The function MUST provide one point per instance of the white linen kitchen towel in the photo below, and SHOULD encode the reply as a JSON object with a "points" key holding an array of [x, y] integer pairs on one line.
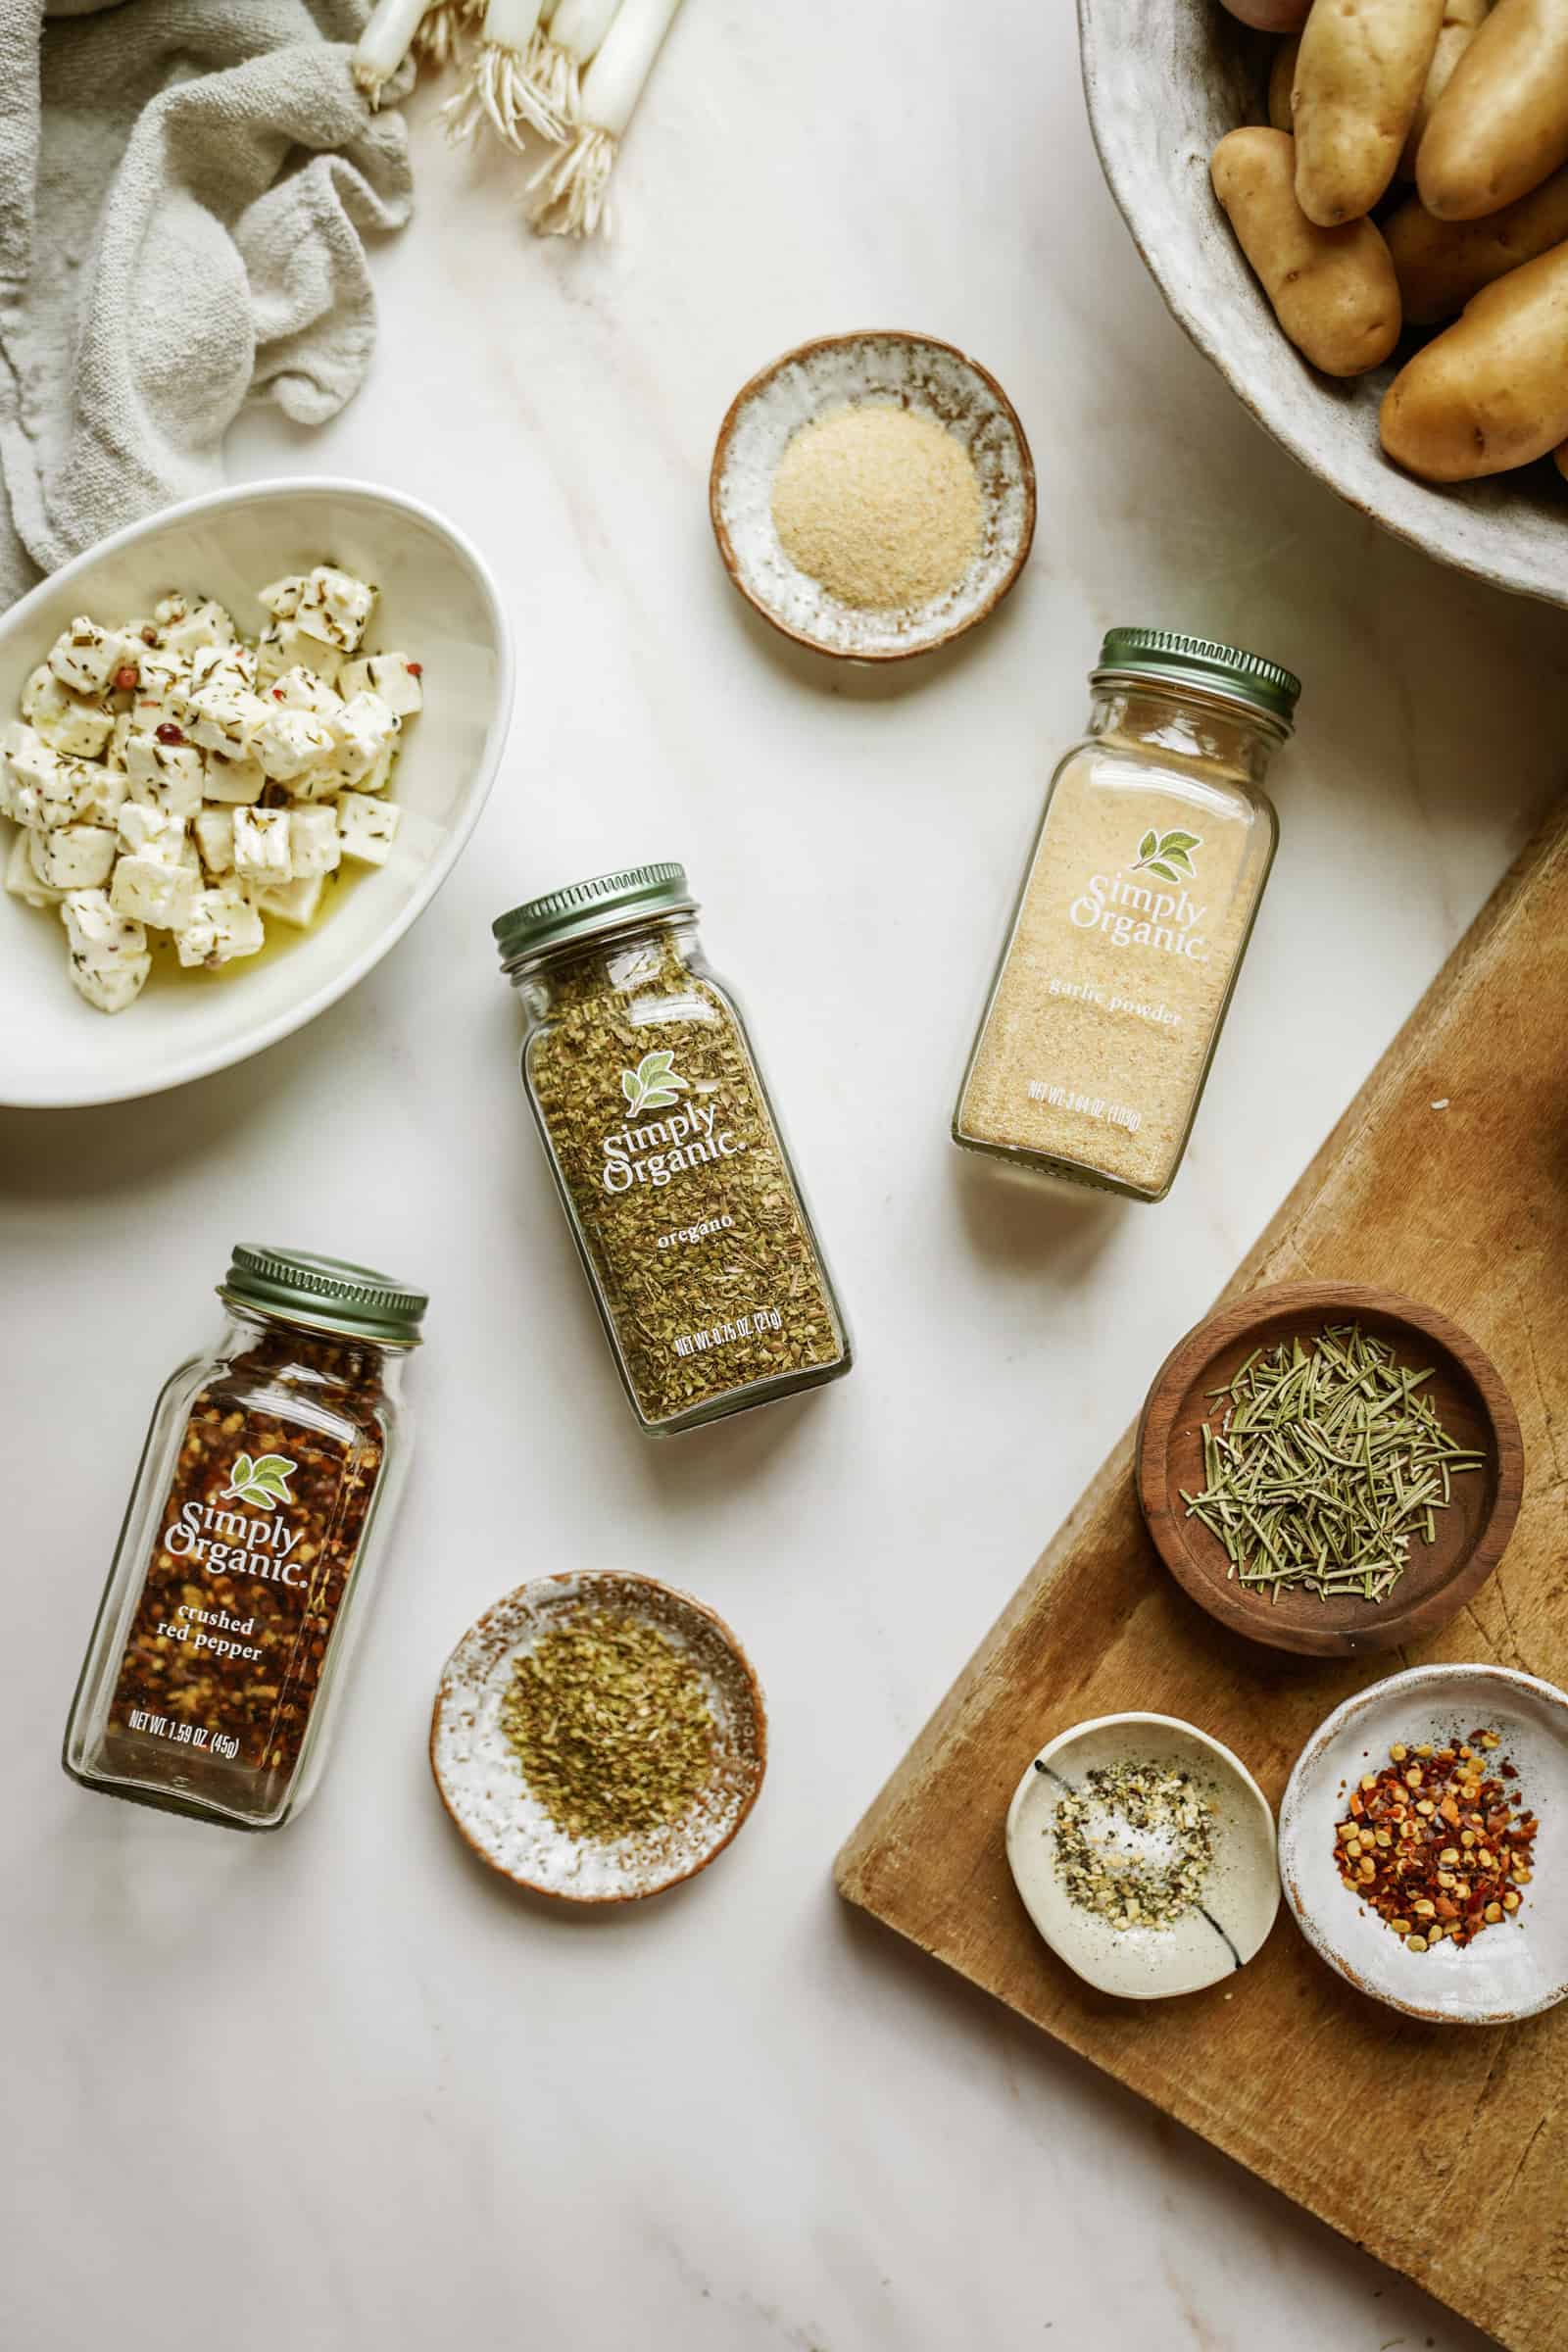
{"points": [[184, 190]]}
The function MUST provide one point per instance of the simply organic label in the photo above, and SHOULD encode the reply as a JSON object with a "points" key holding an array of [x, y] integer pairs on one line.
{"points": [[1161, 914], [222, 1542], [656, 1151]]}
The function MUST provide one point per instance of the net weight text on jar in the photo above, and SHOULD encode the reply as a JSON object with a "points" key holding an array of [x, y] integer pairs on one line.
{"points": [[184, 1735]]}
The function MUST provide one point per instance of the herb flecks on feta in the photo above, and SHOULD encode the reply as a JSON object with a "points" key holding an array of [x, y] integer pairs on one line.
{"points": [[170, 775]]}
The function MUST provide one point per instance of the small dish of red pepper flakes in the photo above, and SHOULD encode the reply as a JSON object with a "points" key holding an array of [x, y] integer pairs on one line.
{"points": [[1436, 1844]]}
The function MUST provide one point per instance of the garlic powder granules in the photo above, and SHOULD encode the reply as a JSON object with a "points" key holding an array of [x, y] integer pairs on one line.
{"points": [[880, 504]]}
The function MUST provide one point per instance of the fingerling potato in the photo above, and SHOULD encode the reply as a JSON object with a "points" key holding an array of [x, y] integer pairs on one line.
{"points": [[1490, 392], [1334, 291], [1501, 128], [1358, 80], [1462, 20], [1440, 263]]}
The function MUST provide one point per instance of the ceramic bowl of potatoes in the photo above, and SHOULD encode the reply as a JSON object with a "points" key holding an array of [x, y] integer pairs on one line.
{"points": [[1358, 210], [242, 744]]}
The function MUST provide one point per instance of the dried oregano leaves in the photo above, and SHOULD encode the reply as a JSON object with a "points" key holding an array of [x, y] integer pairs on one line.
{"points": [[611, 1726], [676, 1179]]}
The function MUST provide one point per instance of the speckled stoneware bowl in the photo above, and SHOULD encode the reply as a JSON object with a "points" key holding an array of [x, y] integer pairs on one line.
{"points": [[1164, 86], [1210, 1942], [481, 1781], [1512, 1970], [910, 372]]}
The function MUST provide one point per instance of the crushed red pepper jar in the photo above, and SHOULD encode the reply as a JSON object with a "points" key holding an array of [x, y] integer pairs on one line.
{"points": [[267, 1485]]}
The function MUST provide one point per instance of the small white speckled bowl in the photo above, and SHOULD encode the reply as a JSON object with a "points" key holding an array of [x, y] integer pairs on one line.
{"points": [[1241, 1898], [1512, 1970], [481, 1781], [900, 371]]}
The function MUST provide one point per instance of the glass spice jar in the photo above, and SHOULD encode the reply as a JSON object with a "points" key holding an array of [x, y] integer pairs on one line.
{"points": [[1134, 916], [667, 1153], [267, 1485]]}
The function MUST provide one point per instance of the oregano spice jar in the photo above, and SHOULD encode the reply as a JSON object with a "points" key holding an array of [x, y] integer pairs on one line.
{"points": [[266, 1489], [1135, 912], [667, 1153]]}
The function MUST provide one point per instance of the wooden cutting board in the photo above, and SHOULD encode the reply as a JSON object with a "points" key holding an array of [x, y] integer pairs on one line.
{"points": [[1444, 2150]]}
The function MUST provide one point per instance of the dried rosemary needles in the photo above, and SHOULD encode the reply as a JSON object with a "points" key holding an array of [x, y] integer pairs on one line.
{"points": [[1323, 1467]]}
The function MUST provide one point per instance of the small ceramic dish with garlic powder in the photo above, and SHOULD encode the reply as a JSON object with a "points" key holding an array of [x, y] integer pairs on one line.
{"points": [[1144, 1851], [599, 1737], [873, 495]]}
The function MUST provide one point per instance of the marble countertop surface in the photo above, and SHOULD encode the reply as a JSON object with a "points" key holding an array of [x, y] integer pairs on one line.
{"points": [[336, 2088]]}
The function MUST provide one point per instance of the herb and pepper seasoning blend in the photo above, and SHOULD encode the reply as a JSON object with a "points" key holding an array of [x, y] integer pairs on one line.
{"points": [[1134, 916], [266, 1488], [667, 1153]]}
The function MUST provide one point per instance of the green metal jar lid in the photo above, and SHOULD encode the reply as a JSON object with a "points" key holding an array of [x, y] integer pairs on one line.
{"points": [[328, 1292], [1227, 670], [584, 907]]}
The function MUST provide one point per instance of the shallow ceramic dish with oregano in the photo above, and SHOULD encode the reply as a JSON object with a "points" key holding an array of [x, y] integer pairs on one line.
{"points": [[817, 386], [1213, 1928], [1515, 1967], [598, 1736], [1447, 1499]]}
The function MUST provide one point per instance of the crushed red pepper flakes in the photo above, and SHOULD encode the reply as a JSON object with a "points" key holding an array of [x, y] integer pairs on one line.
{"points": [[1434, 1844]]}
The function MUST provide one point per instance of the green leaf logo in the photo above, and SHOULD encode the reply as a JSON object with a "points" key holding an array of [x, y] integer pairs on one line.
{"points": [[653, 1085], [1167, 855], [263, 1481]]}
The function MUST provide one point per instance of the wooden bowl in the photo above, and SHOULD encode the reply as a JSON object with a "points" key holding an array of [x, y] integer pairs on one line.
{"points": [[1465, 1391], [480, 1779], [910, 372], [1163, 87]]}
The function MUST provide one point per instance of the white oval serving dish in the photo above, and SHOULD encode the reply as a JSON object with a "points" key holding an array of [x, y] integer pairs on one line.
{"points": [[1163, 87], [1241, 1899], [438, 602], [1512, 1970]]}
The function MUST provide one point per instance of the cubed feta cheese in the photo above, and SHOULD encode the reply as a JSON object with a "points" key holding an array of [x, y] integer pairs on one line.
{"points": [[281, 598], [288, 742], [224, 716], [151, 891], [223, 926], [163, 682], [366, 828], [195, 626], [73, 856], [233, 781], [146, 831], [234, 662], [113, 751], [393, 676], [74, 726], [213, 829], [285, 647], [110, 786], [262, 852], [170, 776], [293, 902], [22, 881], [299, 689], [362, 729], [109, 958], [27, 768], [85, 656], [334, 607], [313, 841]]}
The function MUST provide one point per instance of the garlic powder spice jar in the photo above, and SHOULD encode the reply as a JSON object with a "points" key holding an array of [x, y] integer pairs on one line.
{"points": [[1134, 916], [667, 1153], [266, 1489]]}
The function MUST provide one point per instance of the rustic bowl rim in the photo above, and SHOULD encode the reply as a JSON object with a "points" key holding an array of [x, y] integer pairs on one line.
{"points": [[1311, 1761], [1226, 1604], [765, 376], [623, 1579], [1235, 1770]]}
